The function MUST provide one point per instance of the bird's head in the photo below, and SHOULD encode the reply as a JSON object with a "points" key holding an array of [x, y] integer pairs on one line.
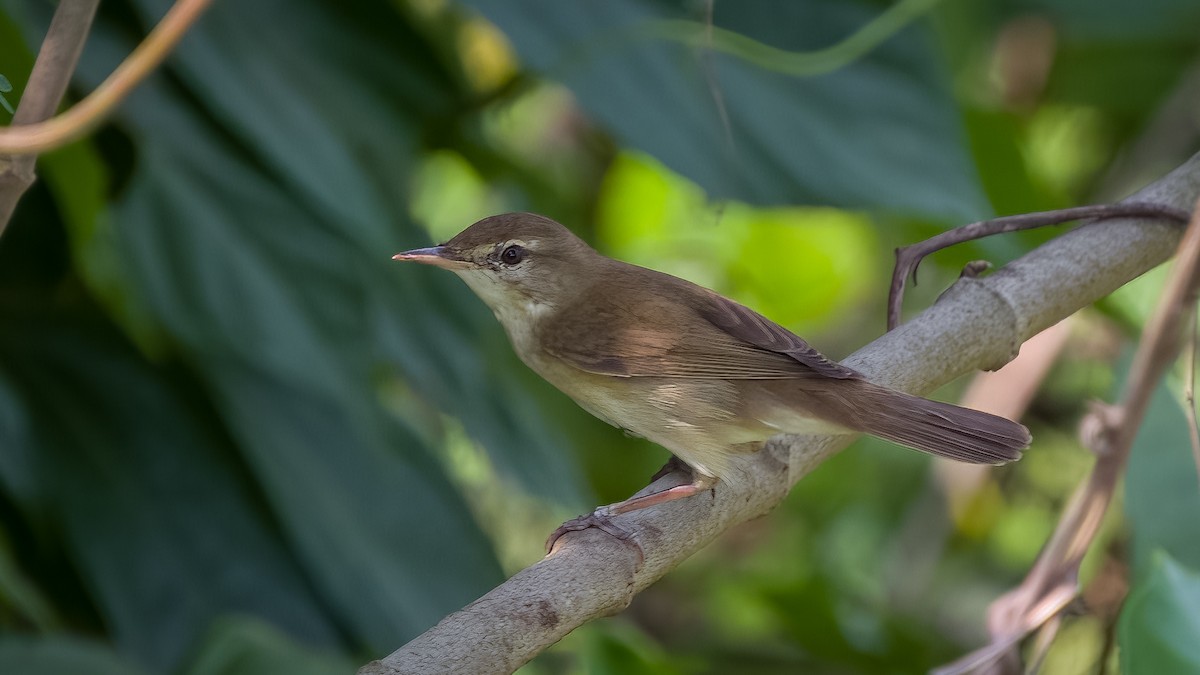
{"points": [[517, 263]]}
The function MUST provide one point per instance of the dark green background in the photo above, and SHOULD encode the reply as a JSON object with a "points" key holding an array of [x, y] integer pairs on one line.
{"points": [[236, 438]]}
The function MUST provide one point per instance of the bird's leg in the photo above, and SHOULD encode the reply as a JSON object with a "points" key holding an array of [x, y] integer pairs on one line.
{"points": [[673, 464], [602, 517], [698, 484]]}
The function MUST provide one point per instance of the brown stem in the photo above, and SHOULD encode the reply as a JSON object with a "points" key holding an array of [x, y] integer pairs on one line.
{"points": [[44, 91], [1109, 432], [908, 258]]}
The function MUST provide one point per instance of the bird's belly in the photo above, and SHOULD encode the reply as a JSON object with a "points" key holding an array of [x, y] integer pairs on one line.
{"points": [[697, 420]]}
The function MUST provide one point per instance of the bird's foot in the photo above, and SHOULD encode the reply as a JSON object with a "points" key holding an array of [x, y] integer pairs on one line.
{"points": [[600, 519]]}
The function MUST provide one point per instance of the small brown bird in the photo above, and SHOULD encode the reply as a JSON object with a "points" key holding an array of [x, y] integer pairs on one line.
{"points": [[682, 366]]}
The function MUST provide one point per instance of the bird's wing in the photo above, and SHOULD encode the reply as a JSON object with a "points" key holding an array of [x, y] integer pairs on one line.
{"points": [[638, 334]]}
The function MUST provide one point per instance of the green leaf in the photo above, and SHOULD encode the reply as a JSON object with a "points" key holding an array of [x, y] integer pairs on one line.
{"points": [[382, 533], [1162, 491], [258, 232], [19, 594], [850, 138], [262, 228], [55, 655], [246, 646], [1117, 22], [1121, 57], [1160, 623], [289, 363], [154, 506]]}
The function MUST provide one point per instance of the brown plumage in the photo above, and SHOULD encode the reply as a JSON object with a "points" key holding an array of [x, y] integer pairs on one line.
{"points": [[693, 371]]}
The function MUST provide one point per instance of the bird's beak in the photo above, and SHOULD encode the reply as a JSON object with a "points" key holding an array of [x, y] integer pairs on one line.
{"points": [[438, 256]]}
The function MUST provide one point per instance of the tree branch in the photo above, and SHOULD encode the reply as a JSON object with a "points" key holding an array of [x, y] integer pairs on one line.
{"points": [[44, 91], [979, 323]]}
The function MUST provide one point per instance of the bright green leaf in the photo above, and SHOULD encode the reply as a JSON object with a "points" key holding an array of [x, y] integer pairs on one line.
{"points": [[796, 265]]}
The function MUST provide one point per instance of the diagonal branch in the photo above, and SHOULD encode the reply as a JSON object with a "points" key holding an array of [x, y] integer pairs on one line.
{"points": [[979, 323]]}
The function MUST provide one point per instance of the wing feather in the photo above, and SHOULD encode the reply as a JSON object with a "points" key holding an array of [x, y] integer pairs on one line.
{"points": [[693, 333]]}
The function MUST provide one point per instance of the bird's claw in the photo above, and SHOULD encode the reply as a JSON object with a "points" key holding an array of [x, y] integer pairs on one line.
{"points": [[600, 519]]}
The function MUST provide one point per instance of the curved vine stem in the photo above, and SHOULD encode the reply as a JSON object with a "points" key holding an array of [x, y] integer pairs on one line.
{"points": [[29, 139]]}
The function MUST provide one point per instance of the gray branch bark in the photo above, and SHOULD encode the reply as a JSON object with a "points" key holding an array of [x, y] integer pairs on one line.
{"points": [[978, 324]]}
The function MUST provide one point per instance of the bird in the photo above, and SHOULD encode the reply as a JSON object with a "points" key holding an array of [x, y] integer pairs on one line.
{"points": [[668, 360]]}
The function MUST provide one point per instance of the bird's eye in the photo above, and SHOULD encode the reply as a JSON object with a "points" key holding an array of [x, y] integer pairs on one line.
{"points": [[512, 255]]}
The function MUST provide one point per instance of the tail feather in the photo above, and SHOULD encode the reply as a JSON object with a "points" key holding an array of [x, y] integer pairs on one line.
{"points": [[937, 428]]}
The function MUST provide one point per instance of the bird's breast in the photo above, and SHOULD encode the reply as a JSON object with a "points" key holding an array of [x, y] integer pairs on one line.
{"points": [[698, 420]]}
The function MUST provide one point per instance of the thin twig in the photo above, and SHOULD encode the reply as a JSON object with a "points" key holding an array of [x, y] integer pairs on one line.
{"points": [[1109, 431], [44, 91], [710, 76], [93, 109], [908, 258]]}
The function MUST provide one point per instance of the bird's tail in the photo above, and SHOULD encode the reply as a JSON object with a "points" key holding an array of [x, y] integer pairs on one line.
{"points": [[931, 426]]}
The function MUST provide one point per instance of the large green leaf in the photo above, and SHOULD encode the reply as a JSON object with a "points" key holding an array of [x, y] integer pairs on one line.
{"points": [[258, 230], [59, 655], [301, 218], [278, 323], [333, 132], [1159, 628], [1162, 494], [380, 531], [882, 133], [156, 512]]}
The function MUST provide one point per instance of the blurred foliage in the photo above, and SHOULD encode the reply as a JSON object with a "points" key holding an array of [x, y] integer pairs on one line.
{"points": [[234, 438]]}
